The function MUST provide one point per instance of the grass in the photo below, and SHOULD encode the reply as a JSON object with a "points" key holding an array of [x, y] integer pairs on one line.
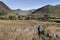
{"points": [[53, 28], [16, 29], [21, 29]]}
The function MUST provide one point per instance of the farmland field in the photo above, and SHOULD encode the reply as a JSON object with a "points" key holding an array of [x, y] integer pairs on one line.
{"points": [[21, 29]]}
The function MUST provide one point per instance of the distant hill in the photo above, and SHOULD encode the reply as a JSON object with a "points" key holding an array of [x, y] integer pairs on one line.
{"points": [[24, 12], [52, 11]]}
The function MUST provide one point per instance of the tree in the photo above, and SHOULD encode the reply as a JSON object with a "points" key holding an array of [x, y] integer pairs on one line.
{"points": [[19, 17], [27, 18], [46, 17], [10, 17]]}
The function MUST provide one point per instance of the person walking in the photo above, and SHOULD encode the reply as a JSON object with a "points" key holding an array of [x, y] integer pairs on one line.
{"points": [[39, 30]]}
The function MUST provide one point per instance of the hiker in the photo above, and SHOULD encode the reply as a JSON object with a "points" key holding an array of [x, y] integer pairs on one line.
{"points": [[39, 30]]}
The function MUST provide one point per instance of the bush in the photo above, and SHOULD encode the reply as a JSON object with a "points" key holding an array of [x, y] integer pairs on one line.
{"points": [[19, 18], [27, 18], [12, 17]]}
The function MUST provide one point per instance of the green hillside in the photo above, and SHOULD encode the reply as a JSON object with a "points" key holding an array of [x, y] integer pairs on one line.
{"points": [[6, 12], [51, 11], [47, 11]]}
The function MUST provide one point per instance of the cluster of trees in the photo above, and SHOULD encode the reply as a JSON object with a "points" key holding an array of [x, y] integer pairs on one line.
{"points": [[14, 17]]}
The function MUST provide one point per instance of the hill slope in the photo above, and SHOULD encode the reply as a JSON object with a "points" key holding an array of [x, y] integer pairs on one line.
{"points": [[5, 11], [52, 11], [2, 5], [24, 12]]}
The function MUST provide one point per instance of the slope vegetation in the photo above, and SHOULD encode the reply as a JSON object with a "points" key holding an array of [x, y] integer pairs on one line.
{"points": [[52, 11], [6, 12]]}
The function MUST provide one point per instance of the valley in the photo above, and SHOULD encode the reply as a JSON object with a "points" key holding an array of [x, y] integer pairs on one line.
{"points": [[18, 24]]}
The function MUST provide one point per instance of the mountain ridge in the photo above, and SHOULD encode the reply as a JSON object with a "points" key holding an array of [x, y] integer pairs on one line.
{"points": [[3, 5], [27, 12], [52, 11]]}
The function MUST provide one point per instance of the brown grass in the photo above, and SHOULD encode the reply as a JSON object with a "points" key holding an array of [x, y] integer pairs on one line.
{"points": [[17, 29], [21, 29]]}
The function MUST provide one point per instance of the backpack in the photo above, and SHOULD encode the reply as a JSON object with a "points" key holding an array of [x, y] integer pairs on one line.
{"points": [[39, 28]]}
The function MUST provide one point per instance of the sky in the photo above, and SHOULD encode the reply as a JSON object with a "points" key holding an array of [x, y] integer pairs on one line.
{"points": [[29, 4]]}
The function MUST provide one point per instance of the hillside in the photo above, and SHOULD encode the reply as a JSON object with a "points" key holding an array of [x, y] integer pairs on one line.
{"points": [[2, 5], [24, 12], [49, 10], [5, 11], [52, 11]]}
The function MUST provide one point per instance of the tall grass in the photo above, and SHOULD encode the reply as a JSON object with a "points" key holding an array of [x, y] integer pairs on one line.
{"points": [[21, 29]]}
